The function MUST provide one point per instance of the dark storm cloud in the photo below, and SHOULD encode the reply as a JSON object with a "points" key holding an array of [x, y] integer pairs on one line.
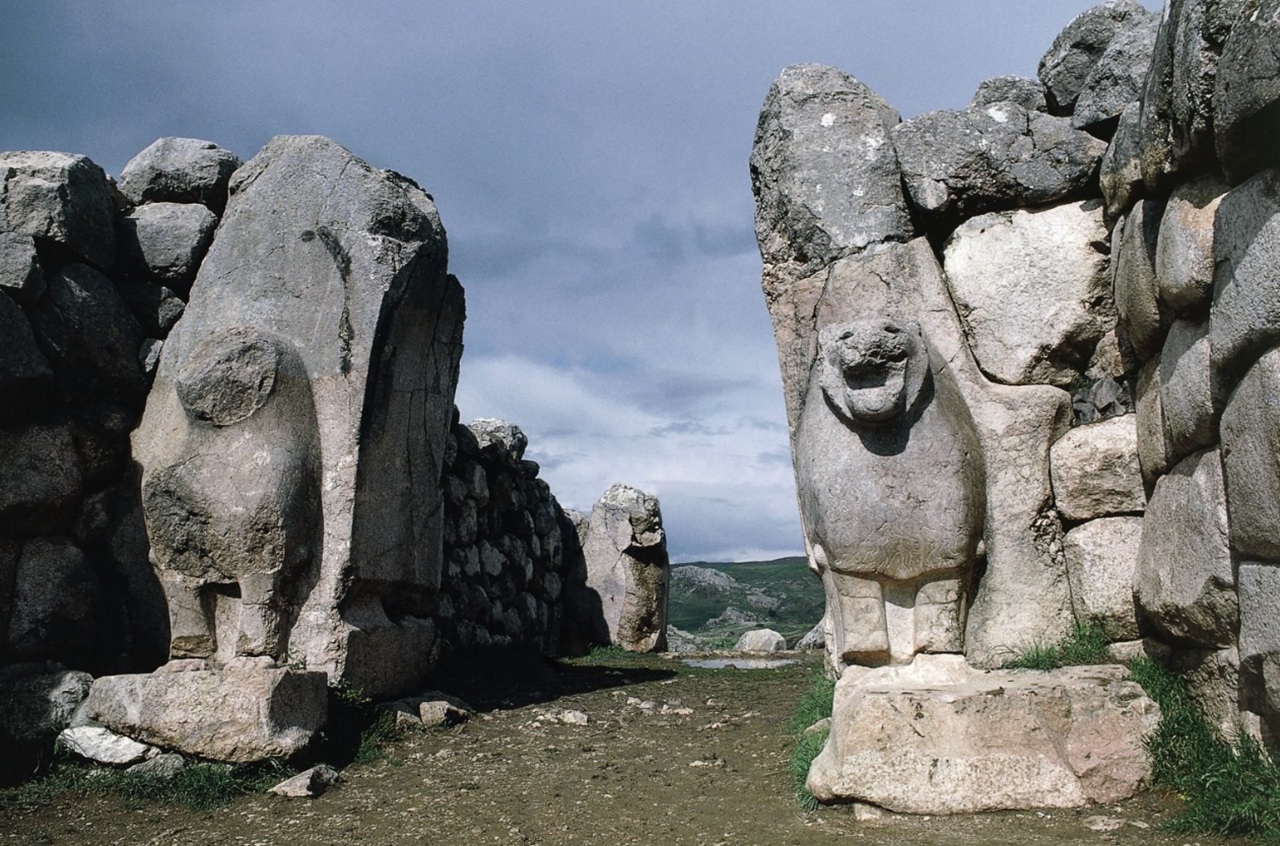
{"points": [[590, 163]]}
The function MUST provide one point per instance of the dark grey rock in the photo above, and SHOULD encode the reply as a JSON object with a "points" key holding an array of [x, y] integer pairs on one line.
{"points": [[60, 199], [824, 174], [1024, 91], [1119, 76], [1251, 461], [1142, 316], [1246, 100], [180, 170], [1245, 320], [1066, 66], [1185, 584], [1186, 399], [40, 479], [156, 307], [25, 375], [20, 274], [38, 700], [961, 163], [1103, 399], [55, 594], [166, 241], [1120, 174], [1184, 251], [89, 335]]}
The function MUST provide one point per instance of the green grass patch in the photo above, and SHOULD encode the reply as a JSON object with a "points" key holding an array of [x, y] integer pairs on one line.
{"points": [[1230, 785], [814, 705], [202, 786], [1087, 643]]}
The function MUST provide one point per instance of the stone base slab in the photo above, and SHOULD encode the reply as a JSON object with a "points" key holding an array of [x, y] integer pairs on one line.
{"points": [[940, 737], [245, 711]]}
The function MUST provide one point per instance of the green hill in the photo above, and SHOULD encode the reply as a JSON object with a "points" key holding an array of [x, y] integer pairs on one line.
{"points": [[717, 602]]}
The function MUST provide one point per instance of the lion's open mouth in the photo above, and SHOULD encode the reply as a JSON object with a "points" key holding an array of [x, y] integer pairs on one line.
{"points": [[873, 390]]}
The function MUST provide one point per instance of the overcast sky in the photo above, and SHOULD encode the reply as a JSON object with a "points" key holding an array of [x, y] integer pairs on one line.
{"points": [[589, 160]]}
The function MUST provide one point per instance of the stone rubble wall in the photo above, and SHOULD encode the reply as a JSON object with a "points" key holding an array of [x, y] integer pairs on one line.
{"points": [[1108, 236]]}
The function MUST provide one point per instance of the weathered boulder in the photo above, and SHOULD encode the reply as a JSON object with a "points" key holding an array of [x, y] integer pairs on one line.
{"points": [[180, 170], [54, 603], [1120, 173], [1067, 65], [1000, 156], [243, 711], [355, 390], [1184, 249], [625, 549], [430, 708], [38, 700], [1246, 287], [1251, 461], [1119, 75], [156, 307], [1154, 450], [1142, 316], [89, 336], [308, 784], [1184, 584], [39, 479], [1031, 287], [103, 745], [1212, 677], [1246, 95], [166, 241], [25, 375], [1186, 398], [1102, 400], [1026, 92], [1102, 556], [59, 199], [1094, 470], [824, 174], [21, 276], [1259, 645], [1177, 121], [760, 640], [938, 737]]}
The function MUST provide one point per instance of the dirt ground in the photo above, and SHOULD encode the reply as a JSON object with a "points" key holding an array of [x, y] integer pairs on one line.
{"points": [[668, 755]]}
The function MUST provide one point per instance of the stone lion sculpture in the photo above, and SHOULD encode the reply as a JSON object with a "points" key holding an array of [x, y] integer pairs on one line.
{"points": [[234, 516], [892, 494]]}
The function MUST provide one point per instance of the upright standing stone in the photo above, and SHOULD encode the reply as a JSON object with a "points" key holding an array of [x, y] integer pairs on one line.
{"points": [[292, 445], [627, 568]]}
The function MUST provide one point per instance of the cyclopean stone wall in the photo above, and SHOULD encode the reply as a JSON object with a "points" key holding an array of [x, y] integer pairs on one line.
{"points": [[1090, 261], [297, 507]]}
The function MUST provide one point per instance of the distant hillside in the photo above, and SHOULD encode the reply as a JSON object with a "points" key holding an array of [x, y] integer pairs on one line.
{"points": [[717, 602]]}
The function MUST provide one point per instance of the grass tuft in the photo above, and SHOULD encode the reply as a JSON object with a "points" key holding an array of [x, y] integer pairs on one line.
{"points": [[1087, 643], [1231, 786], [814, 705]]}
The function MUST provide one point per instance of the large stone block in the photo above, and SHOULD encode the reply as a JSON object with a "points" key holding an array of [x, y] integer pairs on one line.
{"points": [[1246, 288], [1259, 586], [1120, 173], [1186, 397], [322, 333], [21, 276], [1184, 250], [1185, 585], [166, 241], [1154, 450], [40, 479], [1251, 461], [59, 198], [1142, 315], [1119, 75], [824, 174], [625, 549], [1102, 556], [1095, 471], [1024, 91], [54, 604], [25, 375], [89, 336], [180, 170], [1031, 286], [961, 163], [1073, 57], [244, 711], [1246, 96], [938, 737]]}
